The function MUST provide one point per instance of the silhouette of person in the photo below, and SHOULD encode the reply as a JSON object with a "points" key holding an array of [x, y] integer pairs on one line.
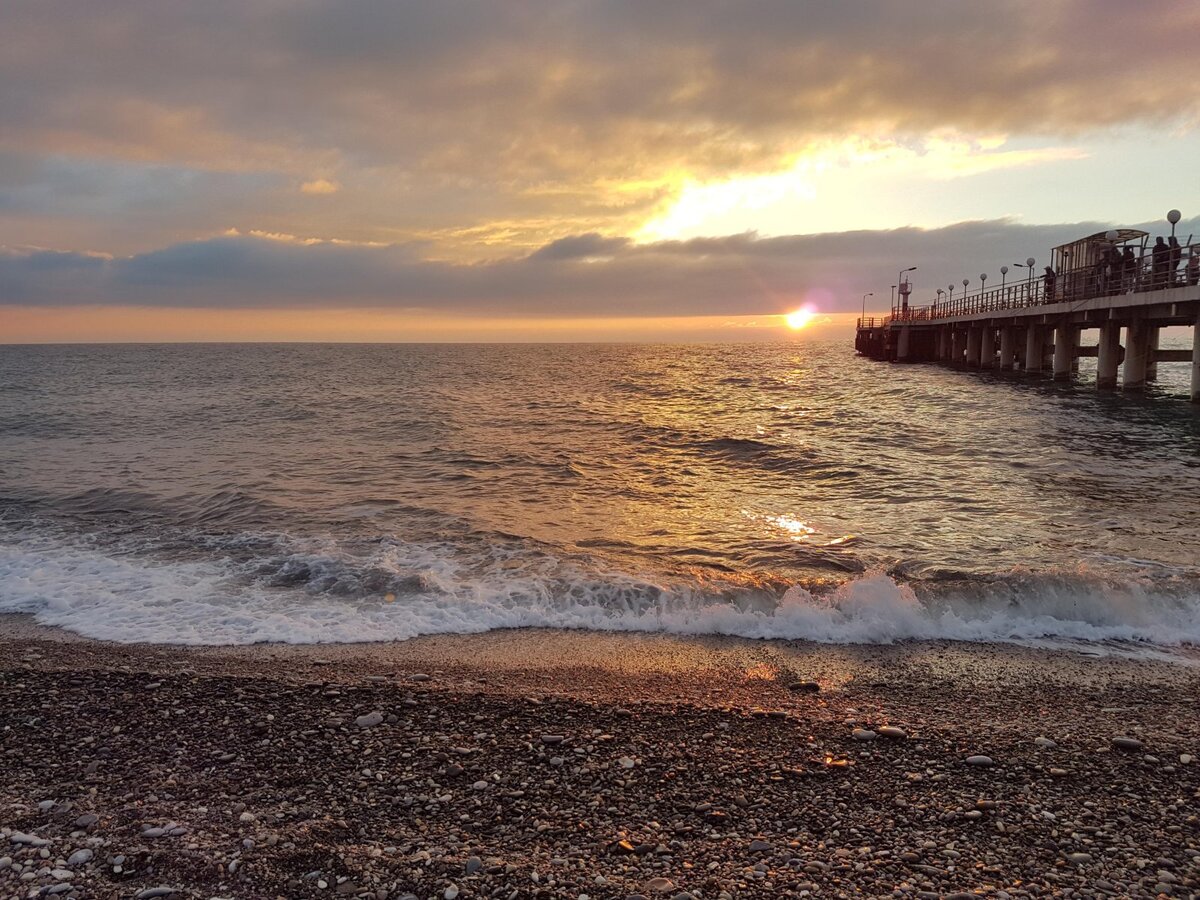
{"points": [[1048, 280], [1161, 256], [1128, 269], [1173, 257], [1193, 268]]}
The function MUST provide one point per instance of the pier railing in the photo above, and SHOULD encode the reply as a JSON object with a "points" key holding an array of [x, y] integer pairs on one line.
{"points": [[1148, 272]]}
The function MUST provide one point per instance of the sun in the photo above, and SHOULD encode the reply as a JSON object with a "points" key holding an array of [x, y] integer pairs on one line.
{"points": [[798, 319]]}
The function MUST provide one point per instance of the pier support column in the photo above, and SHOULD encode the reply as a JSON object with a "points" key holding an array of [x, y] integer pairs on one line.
{"points": [[1065, 337], [903, 342], [1035, 342], [974, 342], [1007, 346], [943, 344], [956, 347], [1137, 355], [987, 348], [1108, 355], [1196, 361], [1151, 365]]}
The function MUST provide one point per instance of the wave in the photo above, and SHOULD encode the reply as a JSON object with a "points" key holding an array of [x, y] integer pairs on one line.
{"points": [[326, 595]]}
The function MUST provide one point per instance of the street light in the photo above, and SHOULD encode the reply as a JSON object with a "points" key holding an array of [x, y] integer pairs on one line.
{"points": [[983, 284], [900, 284], [1173, 217], [1003, 276], [865, 296], [1028, 264], [951, 293]]}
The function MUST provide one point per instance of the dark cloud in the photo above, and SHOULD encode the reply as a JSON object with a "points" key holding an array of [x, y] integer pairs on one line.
{"points": [[458, 112], [585, 275]]}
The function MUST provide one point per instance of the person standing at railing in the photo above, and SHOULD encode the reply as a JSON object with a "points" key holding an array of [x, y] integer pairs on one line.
{"points": [[1175, 254], [1048, 281], [1193, 266], [1161, 259], [1129, 269]]}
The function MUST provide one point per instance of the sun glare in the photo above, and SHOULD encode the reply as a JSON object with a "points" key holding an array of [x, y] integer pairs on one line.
{"points": [[799, 319]]}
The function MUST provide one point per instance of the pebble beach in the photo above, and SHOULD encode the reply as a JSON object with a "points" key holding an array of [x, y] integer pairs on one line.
{"points": [[561, 764]]}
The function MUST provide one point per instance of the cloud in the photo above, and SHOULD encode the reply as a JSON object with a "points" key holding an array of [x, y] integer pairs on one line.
{"points": [[529, 120], [320, 186], [586, 275]]}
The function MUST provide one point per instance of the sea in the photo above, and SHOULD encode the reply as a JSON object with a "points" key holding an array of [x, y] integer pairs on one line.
{"points": [[305, 493]]}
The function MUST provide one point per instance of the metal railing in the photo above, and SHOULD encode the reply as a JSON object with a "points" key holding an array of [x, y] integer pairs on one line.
{"points": [[872, 321], [1147, 272]]}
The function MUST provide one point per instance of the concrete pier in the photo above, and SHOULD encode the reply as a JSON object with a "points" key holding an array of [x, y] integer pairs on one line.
{"points": [[1011, 328], [1035, 347], [1065, 344], [1007, 347], [1108, 355], [1137, 355], [974, 342], [1196, 361]]}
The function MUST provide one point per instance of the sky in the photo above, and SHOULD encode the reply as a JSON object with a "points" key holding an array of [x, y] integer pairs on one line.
{"points": [[570, 170]]}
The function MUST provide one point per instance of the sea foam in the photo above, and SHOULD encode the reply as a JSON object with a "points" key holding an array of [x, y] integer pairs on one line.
{"points": [[133, 598]]}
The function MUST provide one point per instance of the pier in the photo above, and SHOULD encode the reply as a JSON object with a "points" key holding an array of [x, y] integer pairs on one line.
{"points": [[1114, 284]]}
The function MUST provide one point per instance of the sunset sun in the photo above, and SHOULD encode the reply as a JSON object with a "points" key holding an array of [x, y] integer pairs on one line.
{"points": [[798, 319]]}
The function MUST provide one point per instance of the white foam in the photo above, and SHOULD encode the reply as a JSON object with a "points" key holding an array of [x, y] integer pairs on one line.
{"points": [[132, 599]]}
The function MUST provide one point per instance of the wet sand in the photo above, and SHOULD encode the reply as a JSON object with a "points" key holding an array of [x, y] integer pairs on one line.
{"points": [[561, 764]]}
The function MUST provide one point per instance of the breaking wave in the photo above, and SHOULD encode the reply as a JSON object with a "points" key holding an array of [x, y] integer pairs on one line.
{"points": [[313, 593]]}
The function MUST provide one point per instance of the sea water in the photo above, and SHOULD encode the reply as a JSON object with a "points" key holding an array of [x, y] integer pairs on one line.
{"points": [[229, 494]]}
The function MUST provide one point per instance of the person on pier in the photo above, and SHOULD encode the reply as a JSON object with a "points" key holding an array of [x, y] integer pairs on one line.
{"points": [[1173, 257], [1048, 281], [1129, 269], [1161, 256]]}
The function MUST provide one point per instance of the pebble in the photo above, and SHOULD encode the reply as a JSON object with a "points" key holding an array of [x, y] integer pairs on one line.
{"points": [[86, 820], [626, 762], [862, 734], [893, 731], [1127, 743], [553, 738], [480, 786], [804, 687], [474, 864], [19, 837], [757, 846], [148, 893], [1079, 858], [1045, 743], [79, 857], [421, 676], [451, 892], [370, 720], [980, 760], [1186, 758], [660, 885]]}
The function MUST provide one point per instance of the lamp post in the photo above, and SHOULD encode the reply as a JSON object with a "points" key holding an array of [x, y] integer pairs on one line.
{"points": [[900, 286], [983, 282], [1173, 217], [951, 289], [1028, 264], [1003, 277], [865, 296]]}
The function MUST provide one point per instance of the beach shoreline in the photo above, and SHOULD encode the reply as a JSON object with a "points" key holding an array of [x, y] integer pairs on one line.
{"points": [[518, 761]]}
